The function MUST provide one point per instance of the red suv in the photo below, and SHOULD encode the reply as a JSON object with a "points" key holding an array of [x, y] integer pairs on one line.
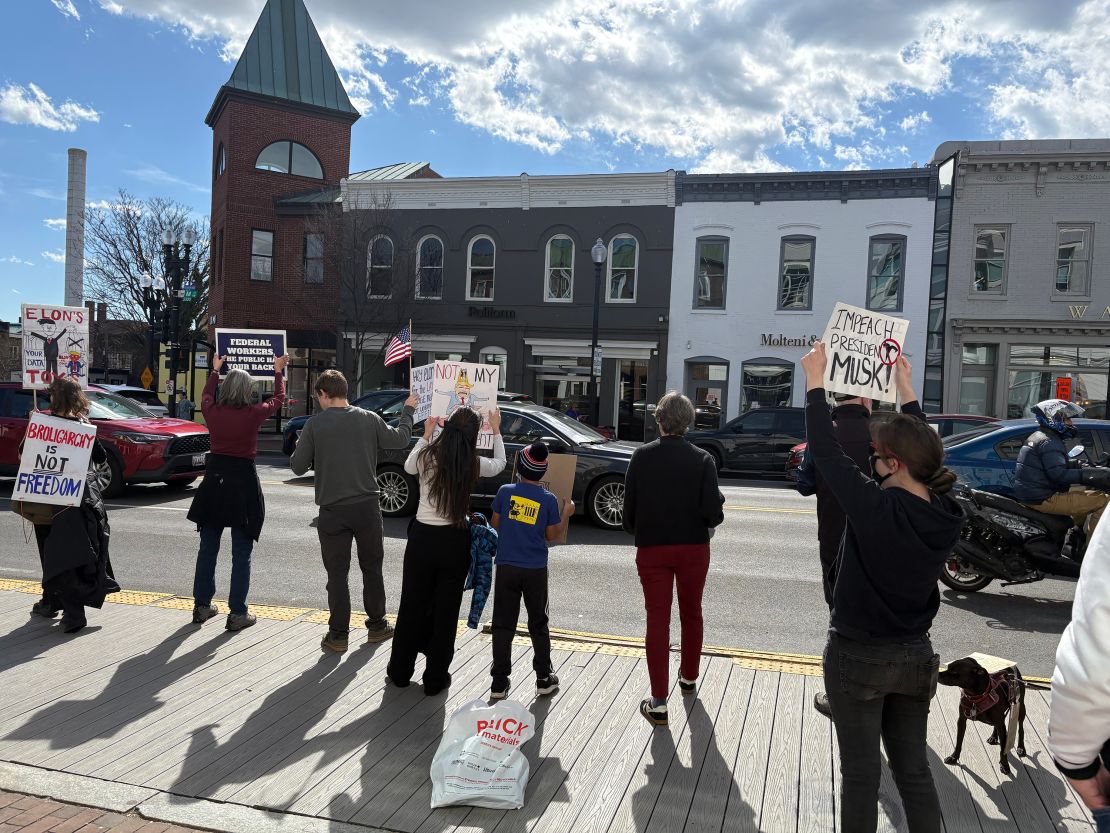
{"points": [[142, 448]]}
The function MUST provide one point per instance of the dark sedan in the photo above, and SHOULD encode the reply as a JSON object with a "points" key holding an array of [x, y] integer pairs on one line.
{"points": [[758, 441], [598, 483]]}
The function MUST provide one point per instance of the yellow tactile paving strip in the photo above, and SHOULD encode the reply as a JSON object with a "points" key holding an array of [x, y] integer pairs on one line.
{"points": [[563, 640]]}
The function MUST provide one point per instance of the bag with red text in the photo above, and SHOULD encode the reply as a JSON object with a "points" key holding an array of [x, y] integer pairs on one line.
{"points": [[479, 761]]}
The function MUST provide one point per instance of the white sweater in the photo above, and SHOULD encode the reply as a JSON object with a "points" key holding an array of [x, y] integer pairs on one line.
{"points": [[427, 512], [1079, 721]]}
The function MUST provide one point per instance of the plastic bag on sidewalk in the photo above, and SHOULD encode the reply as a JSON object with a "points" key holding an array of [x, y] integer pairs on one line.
{"points": [[479, 761]]}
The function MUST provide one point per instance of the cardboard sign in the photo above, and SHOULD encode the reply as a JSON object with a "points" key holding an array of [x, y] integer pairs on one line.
{"points": [[465, 385], [421, 384], [1063, 388], [863, 347], [55, 344], [55, 461], [559, 479], [251, 350]]}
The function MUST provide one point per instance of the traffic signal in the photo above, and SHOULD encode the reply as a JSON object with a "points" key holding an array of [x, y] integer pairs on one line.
{"points": [[182, 357], [167, 326]]}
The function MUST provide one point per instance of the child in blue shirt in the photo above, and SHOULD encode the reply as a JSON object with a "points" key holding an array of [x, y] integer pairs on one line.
{"points": [[526, 516]]}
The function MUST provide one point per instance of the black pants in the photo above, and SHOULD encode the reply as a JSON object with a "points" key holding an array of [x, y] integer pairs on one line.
{"points": [[883, 691], [437, 559], [509, 585], [73, 611], [337, 527], [830, 532]]}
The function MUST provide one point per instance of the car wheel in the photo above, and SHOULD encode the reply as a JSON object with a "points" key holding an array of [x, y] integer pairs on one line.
{"points": [[953, 574], [398, 492], [180, 485], [116, 484], [605, 502]]}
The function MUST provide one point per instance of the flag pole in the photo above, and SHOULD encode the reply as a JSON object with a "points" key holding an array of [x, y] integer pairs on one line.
{"points": [[412, 341]]}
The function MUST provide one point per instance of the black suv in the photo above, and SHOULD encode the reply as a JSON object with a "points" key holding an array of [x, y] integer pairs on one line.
{"points": [[757, 441]]}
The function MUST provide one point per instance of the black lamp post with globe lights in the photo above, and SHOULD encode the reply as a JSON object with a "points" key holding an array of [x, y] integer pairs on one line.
{"points": [[598, 253], [162, 298]]}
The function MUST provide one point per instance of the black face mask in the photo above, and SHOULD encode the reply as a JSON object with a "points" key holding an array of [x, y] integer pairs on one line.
{"points": [[878, 478]]}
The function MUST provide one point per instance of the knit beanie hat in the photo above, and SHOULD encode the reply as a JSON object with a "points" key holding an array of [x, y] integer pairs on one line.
{"points": [[532, 462]]}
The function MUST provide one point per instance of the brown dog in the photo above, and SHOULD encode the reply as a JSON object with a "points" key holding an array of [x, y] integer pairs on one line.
{"points": [[987, 698]]}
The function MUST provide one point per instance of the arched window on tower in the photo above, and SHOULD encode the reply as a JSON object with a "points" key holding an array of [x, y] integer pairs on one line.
{"points": [[289, 158]]}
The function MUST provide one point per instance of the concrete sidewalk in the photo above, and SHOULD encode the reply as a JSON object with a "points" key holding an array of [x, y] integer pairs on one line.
{"points": [[152, 716]]}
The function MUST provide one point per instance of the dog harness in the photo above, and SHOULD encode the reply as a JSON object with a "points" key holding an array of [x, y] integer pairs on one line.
{"points": [[999, 686]]}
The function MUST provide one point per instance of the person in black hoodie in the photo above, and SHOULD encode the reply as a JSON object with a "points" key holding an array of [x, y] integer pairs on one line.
{"points": [[880, 668]]}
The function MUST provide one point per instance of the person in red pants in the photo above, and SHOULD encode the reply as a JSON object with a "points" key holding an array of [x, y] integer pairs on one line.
{"points": [[671, 505]]}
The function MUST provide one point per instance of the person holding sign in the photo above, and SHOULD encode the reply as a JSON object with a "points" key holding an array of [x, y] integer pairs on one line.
{"points": [[73, 545], [437, 557], [879, 665], [230, 495]]}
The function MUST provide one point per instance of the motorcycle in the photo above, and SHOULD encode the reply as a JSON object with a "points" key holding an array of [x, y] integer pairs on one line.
{"points": [[1007, 540]]}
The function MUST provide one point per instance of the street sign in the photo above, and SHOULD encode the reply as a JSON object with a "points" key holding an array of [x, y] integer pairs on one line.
{"points": [[597, 361], [1063, 388], [189, 290], [146, 378], [200, 360]]}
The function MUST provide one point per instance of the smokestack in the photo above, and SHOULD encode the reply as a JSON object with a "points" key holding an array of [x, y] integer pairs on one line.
{"points": [[75, 228]]}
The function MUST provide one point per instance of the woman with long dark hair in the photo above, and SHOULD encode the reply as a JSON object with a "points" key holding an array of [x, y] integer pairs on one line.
{"points": [[437, 557], [880, 668]]}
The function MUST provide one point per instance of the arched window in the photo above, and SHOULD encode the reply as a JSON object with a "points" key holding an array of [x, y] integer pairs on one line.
{"points": [[429, 268], [289, 158], [480, 264], [221, 162], [379, 268], [559, 273], [624, 257]]}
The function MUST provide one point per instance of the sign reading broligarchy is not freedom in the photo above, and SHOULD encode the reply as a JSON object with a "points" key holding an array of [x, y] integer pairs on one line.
{"points": [[55, 461], [251, 350], [863, 347]]}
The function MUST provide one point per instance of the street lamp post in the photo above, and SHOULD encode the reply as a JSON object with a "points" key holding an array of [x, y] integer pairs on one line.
{"points": [[598, 253], [175, 262], [154, 290]]}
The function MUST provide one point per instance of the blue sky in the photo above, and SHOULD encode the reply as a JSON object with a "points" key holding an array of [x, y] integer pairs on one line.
{"points": [[556, 87]]}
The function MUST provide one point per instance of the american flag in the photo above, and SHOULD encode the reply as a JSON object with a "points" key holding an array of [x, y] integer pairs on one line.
{"points": [[399, 347]]}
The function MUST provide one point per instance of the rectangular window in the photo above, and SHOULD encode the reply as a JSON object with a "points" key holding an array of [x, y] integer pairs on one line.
{"points": [[624, 260], [989, 274], [262, 255], [796, 273], [886, 258], [711, 277], [1073, 259], [314, 258], [220, 257]]}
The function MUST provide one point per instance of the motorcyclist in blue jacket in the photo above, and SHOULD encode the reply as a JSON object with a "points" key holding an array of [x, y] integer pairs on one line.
{"points": [[1046, 480]]}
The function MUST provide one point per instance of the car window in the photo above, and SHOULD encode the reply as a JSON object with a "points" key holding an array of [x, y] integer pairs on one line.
{"points": [[517, 428], [791, 423], [373, 401], [1009, 449], [146, 397], [394, 409], [578, 432], [972, 434], [755, 422], [109, 406], [961, 425], [17, 404]]}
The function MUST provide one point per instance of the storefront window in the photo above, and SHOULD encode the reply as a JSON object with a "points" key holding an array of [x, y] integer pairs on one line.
{"points": [[767, 383], [977, 379], [980, 354], [499, 357], [632, 408]]}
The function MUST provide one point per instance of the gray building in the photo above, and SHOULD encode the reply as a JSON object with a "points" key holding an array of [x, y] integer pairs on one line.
{"points": [[1028, 275], [499, 271]]}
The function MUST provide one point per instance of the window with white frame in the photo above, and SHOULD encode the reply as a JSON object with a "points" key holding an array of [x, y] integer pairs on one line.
{"points": [[314, 258], [289, 158], [886, 259], [1073, 259], [262, 255], [481, 260], [711, 273], [559, 271], [796, 273], [498, 356], [989, 271], [624, 257], [379, 268], [429, 269]]}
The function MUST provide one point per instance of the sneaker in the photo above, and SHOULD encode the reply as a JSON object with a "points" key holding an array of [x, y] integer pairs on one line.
{"points": [[547, 685], [821, 704], [655, 715], [202, 613], [500, 689], [688, 687], [45, 609], [239, 621], [333, 641], [381, 634]]}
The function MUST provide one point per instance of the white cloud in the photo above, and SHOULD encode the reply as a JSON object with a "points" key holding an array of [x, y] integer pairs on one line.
{"points": [[912, 123], [47, 194], [56, 257], [111, 7], [16, 260], [55, 223], [30, 105], [156, 176], [67, 8], [16, 292]]}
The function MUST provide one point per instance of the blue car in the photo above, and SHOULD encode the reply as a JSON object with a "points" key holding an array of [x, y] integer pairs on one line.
{"points": [[386, 403], [985, 458]]}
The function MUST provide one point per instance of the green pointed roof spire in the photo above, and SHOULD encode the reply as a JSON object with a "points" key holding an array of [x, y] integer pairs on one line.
{"points": [[285, 59]]}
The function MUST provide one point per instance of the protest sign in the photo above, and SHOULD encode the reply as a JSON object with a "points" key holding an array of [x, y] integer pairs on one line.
{"points": [[251, 350], [422, 382], [863, 347], [55, 461], [465, 385], [559, 479], [55, 344]]}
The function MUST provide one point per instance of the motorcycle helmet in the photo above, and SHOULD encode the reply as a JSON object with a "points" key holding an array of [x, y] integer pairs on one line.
{"points": [[1051, 414]]}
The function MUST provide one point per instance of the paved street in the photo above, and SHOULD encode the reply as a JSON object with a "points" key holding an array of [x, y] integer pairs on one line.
{"points": [[763, 592]]}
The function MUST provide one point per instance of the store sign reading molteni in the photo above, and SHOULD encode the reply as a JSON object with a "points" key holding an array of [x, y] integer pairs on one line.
{"points": [[780, 340]]}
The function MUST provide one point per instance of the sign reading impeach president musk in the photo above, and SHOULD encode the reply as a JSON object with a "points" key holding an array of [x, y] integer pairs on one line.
{"points": [[55, 461], [251, 350], [863, 347]]}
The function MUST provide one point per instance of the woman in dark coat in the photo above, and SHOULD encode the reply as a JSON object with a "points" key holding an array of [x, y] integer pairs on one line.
{"points": [[73, 547], [230, 495]]}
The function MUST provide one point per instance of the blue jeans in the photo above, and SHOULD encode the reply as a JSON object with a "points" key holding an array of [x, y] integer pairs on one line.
{"points": [[1102, 819], [204, 582]]}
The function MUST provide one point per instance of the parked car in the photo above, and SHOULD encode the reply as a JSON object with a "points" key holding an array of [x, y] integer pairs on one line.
{"points": [[985, 458], [757, 441], [945, 424], [598, 483], [387, 404], [149, 399], [141, 448]]}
